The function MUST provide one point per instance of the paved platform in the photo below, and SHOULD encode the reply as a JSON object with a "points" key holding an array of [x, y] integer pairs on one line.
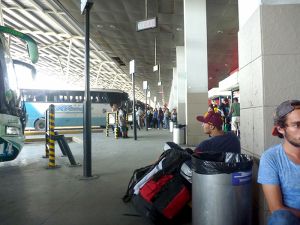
{"points": [[33, 195]]}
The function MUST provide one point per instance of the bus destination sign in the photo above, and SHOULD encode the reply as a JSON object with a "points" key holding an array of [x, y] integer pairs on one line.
{"points": [[146, 24]]}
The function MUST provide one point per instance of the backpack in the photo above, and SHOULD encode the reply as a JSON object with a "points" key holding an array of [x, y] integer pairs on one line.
{"points": [[137, 175], [167, 112], [167, 192]]}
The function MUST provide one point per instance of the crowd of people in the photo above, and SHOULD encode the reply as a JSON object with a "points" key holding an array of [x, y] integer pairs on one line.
{"points": [[155, 119], [230, 114]]}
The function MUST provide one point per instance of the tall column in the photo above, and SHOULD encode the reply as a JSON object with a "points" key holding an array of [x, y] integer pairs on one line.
{"points": [[269, 59], [174, 88], [195, 68], [171, 99], [180, 62]]}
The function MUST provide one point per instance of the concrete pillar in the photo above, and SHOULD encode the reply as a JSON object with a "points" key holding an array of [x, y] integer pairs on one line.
{"points": [[269, 59], [195, 35], [171, 98], [180, 62], [174, 88]]}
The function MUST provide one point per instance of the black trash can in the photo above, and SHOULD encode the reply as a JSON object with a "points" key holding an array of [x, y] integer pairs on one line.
{"points": [[222, 188]]}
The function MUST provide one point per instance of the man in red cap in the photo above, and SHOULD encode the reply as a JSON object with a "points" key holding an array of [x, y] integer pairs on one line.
{"points": [[219, 141], [279, 168]]}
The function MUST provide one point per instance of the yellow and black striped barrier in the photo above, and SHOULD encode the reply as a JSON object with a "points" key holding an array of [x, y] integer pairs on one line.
{"points": [[112, 120], [117, 123], [127, 122], [107, 126], [51, 138]]}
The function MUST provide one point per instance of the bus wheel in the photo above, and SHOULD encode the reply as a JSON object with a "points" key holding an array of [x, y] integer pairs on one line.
{"points": [[39, 125]]}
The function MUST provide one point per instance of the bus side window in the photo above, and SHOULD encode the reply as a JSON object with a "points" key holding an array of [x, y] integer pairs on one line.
{"points": [[30, 98]]}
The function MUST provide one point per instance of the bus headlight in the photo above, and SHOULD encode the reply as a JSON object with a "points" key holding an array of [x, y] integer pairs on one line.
{"points": [[12, 130]]}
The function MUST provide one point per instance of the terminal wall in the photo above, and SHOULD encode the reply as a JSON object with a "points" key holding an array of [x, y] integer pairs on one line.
{"points": [[269, 59]]}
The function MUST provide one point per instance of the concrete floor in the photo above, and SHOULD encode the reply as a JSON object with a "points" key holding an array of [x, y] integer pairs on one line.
{"points": [[30, 194]]}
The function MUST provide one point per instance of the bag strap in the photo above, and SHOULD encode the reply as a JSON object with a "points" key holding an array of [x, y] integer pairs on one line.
{"points": [[172, 166]]}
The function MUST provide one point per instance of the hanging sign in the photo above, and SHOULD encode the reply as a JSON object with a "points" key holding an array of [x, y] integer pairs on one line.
{"points": [[132, 67], [159, 83], [145, 85], [161, 92], [155, 68], [148, 95], [146, 24], [85, 4]]}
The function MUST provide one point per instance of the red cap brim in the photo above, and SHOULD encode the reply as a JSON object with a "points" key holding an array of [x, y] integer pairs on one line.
{"points": [[274, 131], [200, 118]]}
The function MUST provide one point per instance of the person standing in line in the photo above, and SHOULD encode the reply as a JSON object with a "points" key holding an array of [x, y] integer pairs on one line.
{"points": [[140, 116], [215, 106], [149, 118], [227, 119], [223, 111], [160, 118], [210, 108], [114, 109], [174, 115], [137, 120], [122, 123], [279, 167], [235, 112], [155, 114], [166, 116]]}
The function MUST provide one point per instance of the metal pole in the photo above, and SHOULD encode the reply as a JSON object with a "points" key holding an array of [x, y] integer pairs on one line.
{"points": [[155, 53], [146, 115], [87, 160], [46, 134], [133, 108], [146, 9]]}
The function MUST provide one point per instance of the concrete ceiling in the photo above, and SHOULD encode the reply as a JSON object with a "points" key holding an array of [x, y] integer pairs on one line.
{"points": [[53, 23]]}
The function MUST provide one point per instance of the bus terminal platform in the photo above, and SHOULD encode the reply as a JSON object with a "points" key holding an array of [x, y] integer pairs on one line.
{"points": [[33, 195]]}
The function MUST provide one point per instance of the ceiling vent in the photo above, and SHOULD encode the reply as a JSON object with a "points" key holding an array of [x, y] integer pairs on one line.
{"points": [[118, 60]]}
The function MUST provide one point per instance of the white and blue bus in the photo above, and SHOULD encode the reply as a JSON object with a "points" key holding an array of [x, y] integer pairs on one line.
{"points": [[12, 111], [69, 106]]}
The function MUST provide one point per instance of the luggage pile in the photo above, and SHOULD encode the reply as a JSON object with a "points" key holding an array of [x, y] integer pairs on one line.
{"points": [[160, 191]]}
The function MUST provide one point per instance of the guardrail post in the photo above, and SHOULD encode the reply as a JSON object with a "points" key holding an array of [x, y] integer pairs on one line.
{"points": [[117, 128], [51, 138], [107, 126], [127, 123]]}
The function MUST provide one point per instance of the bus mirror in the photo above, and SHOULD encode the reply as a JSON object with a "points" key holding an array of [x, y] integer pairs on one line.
{"points": [[31, 44], [31, 67]]}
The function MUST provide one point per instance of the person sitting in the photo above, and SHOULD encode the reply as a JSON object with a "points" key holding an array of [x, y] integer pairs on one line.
{"points": [[220, 141], [279, 166]]}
